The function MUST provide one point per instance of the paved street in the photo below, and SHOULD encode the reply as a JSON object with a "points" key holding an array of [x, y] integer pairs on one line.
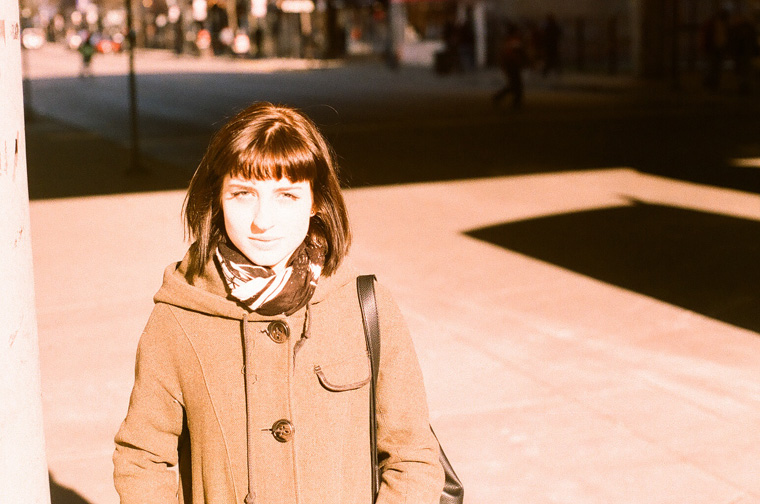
{"points": [[580, 277], [409, 126]]}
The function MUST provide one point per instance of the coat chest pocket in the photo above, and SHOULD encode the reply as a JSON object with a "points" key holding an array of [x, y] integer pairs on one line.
{"points": [[349, 374]]}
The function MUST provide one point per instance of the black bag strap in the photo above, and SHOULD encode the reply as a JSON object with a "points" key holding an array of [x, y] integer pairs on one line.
{"points": [[453, 491], [365, 288]]}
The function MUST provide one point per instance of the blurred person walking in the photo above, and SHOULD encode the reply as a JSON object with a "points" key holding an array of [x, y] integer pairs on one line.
{"points": [[87, 50], [218, 21], [252, 377], [512, 60], [178, 31]]}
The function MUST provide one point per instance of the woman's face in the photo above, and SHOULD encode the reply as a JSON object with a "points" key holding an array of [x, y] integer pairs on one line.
{"points": [[266, 219]]}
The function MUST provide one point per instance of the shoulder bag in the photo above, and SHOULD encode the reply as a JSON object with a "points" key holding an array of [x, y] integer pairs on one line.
{"points": [[453, 492]]}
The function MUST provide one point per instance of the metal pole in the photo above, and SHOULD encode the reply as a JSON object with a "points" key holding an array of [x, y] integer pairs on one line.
{"points": [[23, 467], [135, 166]]}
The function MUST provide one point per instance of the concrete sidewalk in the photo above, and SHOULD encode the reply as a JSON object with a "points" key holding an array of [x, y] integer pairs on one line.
{"points": [[545, 385]]}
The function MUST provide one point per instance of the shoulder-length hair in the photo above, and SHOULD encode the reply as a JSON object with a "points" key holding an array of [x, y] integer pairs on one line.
{"points": [[262, 142]]}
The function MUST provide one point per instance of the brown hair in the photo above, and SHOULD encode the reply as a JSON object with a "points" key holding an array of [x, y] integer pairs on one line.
{"points": [[266, 141]]}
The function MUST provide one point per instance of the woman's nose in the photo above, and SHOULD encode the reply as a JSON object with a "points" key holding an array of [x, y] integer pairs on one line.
{"points": [[263, 216]]}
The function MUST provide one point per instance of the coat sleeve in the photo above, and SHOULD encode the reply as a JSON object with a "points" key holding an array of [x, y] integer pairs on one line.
{"points": [[408, 451], [145, 459]]}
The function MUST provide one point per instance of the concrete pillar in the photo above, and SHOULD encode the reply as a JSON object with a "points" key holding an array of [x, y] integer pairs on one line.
{"points": [[23, 468]]}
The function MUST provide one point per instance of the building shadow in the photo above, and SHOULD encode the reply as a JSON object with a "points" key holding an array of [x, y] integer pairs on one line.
{"points": [[415, 135], [67, 161], [695, 145], [703, 262], [62, 495]]}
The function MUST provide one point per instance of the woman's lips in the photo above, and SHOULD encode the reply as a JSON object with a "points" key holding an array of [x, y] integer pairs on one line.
{"points": [[263, 242]]}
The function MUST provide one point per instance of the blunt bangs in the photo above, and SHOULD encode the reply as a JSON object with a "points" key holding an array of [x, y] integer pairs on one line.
{"points": [[278, 150]]}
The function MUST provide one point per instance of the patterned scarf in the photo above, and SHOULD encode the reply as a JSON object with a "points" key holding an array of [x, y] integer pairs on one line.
{"points": [[263, 291]]}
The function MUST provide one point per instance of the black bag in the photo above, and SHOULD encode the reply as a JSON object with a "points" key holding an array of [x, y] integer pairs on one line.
{"points": [[453, 492]]}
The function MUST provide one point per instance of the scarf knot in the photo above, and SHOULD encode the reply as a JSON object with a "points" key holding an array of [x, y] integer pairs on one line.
{"points": [[262, 290]]}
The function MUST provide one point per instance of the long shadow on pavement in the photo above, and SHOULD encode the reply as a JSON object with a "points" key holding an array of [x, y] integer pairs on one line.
{"points": [[694, 145], [704, 262], [415, 137], [66, 161]]}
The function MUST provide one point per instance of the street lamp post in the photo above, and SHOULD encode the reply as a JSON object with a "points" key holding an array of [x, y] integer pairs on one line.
{"points": [[135, 166]]}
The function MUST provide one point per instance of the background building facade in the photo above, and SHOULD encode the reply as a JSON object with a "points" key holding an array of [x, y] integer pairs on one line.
{"points": [[651, 38]]}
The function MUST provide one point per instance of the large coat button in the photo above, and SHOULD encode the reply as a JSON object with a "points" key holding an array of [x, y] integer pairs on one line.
{"points": [[278, 331], [283, 430]]}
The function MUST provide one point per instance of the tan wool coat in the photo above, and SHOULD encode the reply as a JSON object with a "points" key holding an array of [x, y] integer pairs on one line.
{"points": [[309, 418]]}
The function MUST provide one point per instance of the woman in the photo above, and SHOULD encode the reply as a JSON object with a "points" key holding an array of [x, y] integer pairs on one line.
{"points": [[252, 372]]}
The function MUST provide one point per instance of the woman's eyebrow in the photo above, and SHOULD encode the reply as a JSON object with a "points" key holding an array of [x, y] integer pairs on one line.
{"points": [[290, 188], [239, 184]]}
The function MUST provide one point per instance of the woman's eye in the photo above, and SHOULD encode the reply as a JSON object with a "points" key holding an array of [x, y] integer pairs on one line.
{"points": [[239, 194], [290, 196]]}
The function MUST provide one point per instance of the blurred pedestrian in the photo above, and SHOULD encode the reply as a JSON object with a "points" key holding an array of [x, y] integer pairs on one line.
{"points": [[218, 21], [258, 38], [179, 33], [512, 61], [87, 50], [252, 373]]}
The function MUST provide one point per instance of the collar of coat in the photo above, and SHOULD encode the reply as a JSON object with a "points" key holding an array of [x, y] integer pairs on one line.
{"points": [[206, 293]]}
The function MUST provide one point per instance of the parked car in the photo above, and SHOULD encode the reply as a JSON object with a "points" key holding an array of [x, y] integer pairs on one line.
{"points": [[105, 44]]}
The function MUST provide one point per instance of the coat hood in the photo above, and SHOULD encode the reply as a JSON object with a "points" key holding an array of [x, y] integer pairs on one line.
{"points": [[207, 293]]}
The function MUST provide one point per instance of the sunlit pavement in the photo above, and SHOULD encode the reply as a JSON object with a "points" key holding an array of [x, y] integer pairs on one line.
{"points": [[546, 384]]}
